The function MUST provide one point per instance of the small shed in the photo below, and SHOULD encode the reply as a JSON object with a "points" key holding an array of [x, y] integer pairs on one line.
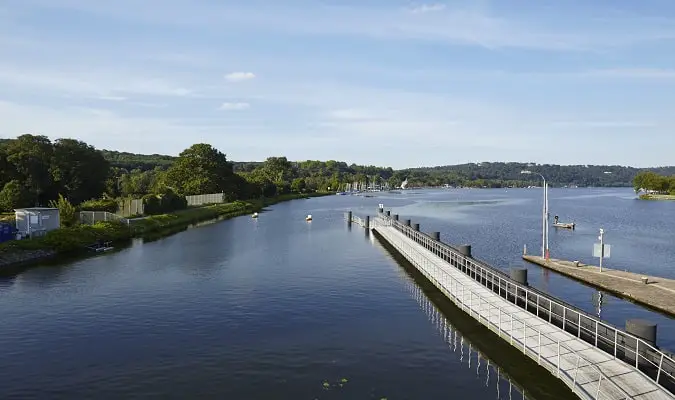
{"points": [[37, 221]]}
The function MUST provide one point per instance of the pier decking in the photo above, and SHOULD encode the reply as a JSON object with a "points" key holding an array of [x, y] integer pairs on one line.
{"points": [[593, 358], [657, 292]]}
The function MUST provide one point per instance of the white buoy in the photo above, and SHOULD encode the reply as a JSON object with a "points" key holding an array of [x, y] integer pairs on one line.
{"points": [[308, 217], [255, 215]]}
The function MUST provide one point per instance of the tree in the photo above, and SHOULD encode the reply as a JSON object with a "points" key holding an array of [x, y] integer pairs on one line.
{"points": [[79, 170], [67, 212], [200, 169], [13, 195], [31, 157], [298, 185]]}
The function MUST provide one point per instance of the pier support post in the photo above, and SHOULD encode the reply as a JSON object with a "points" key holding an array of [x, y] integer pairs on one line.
{"points": [[464, 249], [416, 227], [644, 330], [407, 222], [349, 217], [395, 217], [436, 236], [388, 213], [367, 222], [519, 275]]}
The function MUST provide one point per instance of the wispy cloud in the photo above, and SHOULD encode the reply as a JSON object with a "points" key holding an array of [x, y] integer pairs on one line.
{"points": [[632, 73], [604, 124], [426, 8], [239, 76], [235, 106]]}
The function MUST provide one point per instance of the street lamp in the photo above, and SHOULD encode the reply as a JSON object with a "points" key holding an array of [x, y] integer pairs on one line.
{"points": [[544, 222]]}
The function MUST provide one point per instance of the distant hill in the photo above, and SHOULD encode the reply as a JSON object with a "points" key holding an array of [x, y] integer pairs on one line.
{"points": [[495, 172]]}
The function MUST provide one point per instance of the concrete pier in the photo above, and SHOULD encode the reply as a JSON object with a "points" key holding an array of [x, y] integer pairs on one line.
{"points": [[652, 291]]}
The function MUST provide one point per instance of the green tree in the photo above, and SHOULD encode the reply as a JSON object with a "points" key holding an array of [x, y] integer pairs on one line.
{"points": [[298, 185], [67, 212], [200, 169], [13, 195], [31, 156], [79, 170]]}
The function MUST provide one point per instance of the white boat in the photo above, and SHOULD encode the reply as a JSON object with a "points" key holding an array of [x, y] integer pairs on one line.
{"points": [[255, 215], [308, 217]]}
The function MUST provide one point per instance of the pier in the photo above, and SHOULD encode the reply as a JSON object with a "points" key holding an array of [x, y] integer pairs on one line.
{"points": [[655, 292], [595, 359]]}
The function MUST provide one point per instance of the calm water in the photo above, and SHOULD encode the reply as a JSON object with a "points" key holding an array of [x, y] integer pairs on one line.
{"points": [[281, 308]]}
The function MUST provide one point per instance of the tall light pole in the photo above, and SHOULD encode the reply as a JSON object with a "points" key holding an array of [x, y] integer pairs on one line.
{"points": [[544, 219]]}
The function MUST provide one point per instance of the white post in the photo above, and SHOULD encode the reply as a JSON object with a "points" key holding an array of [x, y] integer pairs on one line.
{"points": [[602, 246], [543, 224]]}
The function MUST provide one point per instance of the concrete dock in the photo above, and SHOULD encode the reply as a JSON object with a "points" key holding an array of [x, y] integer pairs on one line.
{"points": [[652, 291]]}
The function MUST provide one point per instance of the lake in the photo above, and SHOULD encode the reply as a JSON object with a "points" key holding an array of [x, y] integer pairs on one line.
{"points": [[277, 307]]}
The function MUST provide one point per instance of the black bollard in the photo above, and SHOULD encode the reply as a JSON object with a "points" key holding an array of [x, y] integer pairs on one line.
{"points": [[407, 222], [519, 275], [464, 249], [436, 236], [367, 222], [416, 227], [644, 330], [349, 217], [395, 217], [388, 213]]}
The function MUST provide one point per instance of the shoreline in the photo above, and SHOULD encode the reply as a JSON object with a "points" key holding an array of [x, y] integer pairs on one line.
{"points": [[657, 197], [71, 242]]}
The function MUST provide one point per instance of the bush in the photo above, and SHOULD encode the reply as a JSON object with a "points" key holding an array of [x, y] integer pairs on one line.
{"points": [[75, 238], [170, 201], [67, 213], [151, 204], [12, 195], [109, 205]]}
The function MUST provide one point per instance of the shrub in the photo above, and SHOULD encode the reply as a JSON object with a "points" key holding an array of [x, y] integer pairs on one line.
{"points": [[171, 201], [67, 212], [152, 204], [109, 205]]}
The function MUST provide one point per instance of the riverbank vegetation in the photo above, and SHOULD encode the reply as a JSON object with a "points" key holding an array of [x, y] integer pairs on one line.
{"points": [[655, 186]]}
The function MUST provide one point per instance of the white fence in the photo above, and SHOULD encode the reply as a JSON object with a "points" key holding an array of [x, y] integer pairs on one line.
{"points": [[92, 217], [129, 207], [201, 199]]}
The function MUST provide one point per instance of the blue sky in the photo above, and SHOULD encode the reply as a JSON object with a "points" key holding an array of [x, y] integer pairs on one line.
{"points": [[394, 83]]}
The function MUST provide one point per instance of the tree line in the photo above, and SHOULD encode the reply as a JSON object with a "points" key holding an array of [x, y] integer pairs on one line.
{"points": [[35, 170], [653, 182]]}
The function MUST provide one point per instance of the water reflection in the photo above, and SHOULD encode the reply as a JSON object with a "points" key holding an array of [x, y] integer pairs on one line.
{"points": [[503, 385]]}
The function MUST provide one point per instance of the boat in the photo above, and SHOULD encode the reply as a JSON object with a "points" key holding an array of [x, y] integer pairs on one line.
{"points": [[308, 217], [255, 215], [101, 246], [563, 225]]}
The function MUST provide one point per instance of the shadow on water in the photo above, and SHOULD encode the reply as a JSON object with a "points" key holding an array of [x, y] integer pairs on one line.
{"points": [[530, 380]]}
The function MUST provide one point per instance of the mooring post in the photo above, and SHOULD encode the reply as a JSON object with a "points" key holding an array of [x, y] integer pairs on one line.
{"points": [[388, 213], [349, 217], [395, 217], [436, 236], [367, 222], [464, 249], [416, 227], [407, 222]]}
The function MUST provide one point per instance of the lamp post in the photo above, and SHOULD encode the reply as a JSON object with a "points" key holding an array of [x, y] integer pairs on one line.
{"points": [[544, 219]]}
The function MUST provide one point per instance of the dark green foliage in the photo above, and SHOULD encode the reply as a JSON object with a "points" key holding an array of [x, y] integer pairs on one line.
{"points": [[200, 169], [151, 204], [13, 195], [155, 204], [649, 180], [109, 205], [78, 170]]}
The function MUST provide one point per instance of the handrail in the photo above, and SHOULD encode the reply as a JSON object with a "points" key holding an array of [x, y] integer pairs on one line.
{"points": [[603, 333], [462, 300]]}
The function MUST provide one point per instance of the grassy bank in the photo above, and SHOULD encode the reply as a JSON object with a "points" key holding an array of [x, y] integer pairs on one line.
{"points": [[657, 197], [74, 239]]}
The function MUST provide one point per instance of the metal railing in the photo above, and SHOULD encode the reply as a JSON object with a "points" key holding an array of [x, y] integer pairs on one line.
{"points": [[506, 325], [645, 357], [92, 217]]}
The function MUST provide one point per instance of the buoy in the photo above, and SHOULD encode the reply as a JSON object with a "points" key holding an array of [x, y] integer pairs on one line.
{"points": [[308, 217], [255, 215]]}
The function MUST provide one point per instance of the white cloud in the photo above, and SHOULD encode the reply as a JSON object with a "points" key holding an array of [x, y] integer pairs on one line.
{"points": [[235, 106], [239, 76], [632, 73], [426, 8], [112, 98]]}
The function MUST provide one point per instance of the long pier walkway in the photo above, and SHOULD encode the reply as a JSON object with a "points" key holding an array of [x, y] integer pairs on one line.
{"points": [[652, 291], [493, 300]]}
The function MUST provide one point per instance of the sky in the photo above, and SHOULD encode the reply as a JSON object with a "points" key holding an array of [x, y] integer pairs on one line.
{"points": [[377, 82]]}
